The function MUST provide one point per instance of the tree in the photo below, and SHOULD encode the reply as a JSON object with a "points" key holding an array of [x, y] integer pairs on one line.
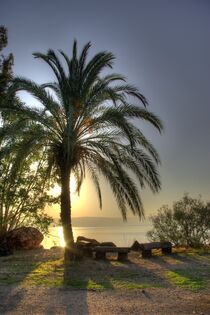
{"points": [[22, 195], [85, 124], [186, 224], [6, 63], [23, 185]]}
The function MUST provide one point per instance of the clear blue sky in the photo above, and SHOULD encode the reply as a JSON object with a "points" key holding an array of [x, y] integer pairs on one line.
{"points": [[162, 46]]}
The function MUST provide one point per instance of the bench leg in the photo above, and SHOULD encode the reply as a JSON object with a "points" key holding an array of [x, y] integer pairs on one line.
{"points": [[146, 253], [122, 256], [88, 252], [100, 255], [167, 250]]}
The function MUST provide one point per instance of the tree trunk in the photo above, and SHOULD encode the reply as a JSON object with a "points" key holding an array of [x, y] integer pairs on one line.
{"points": [[66, 215]]}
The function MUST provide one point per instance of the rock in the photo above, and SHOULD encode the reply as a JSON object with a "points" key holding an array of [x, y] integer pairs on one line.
{"points": [[24, 238], [136, 246]]}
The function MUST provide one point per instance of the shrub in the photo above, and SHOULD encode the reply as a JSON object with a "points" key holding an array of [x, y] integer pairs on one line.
{"points": [[186, 224]]}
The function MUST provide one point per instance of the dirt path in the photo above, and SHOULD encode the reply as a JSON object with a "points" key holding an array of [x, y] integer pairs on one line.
{"points": [[158, 301]]}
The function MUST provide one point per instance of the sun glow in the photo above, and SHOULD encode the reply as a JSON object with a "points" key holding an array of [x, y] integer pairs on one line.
{"points": [[79, 203], [60, 235], [56, 190]]}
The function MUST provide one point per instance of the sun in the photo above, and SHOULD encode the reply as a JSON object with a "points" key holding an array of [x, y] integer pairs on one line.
{"points": [[56, 190], [72, 184], [60, 235]]}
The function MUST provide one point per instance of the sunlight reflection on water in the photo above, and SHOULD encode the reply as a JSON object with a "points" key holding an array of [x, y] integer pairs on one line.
{"points": [[120, 235]]}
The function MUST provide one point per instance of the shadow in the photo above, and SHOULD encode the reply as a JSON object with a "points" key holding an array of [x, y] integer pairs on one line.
{"points": [[184, 259], [38, 282], [189, 270], [27, 277], [14, 270], [91, 274]]}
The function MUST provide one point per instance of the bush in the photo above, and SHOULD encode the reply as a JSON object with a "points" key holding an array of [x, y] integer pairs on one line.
{"points": [[186, 224]]}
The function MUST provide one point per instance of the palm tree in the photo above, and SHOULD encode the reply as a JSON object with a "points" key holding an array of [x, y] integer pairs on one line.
{"points": [[85, 124]]}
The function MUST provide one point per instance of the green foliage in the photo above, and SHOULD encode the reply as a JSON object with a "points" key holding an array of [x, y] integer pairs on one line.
{"points": [[187, 223], [22, 181], [6, 63], [23, 195], [3, 37]]}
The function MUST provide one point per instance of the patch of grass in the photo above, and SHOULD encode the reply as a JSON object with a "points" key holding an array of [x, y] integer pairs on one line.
{"points": [[88, 284], [129, 284], [48, 273], [108, 283], [99, 285], [200, 255], [116, 263], [15, 271], [186, 279]]}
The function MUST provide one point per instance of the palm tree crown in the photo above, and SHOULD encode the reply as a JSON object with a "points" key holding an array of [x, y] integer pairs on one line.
{"points": [[85, 124]]}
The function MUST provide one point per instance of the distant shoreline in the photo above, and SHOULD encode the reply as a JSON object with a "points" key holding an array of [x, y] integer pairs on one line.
{"points": [[104, 222]]}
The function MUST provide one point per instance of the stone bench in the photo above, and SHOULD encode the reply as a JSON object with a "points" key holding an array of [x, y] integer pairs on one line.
{"points": [[100, 252], [146, 248]]}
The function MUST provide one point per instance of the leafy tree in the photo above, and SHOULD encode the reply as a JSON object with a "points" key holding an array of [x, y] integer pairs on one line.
{"points": [[187, 223], [85, 124], [5, 63], [3, 37], [22, 196]]}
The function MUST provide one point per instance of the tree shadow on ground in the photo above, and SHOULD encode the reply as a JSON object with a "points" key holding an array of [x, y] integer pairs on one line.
{"points": [[32, 280], [188, 270], [91, 274], [186, 259], [14, 270], [23, 278]]}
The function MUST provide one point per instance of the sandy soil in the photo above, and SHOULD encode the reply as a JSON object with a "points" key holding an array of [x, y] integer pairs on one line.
{"points": [[26, 301]]}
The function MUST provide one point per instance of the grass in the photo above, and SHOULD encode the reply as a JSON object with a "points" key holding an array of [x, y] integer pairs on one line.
{"points": [[195, 271], [188, 269], [186, 279], [49, 273], [108, 283]]}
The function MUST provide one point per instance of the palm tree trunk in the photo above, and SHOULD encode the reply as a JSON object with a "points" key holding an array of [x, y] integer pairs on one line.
{"points": [[66, 214]]}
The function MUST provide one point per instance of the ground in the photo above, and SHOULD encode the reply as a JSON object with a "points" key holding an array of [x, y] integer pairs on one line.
{"points": [[36, 282]]}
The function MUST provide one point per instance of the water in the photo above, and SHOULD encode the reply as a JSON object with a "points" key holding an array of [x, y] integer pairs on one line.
{"points": [[121, 235]]}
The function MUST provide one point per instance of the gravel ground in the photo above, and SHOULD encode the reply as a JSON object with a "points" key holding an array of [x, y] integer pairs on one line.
{"points": [[41, 300]]}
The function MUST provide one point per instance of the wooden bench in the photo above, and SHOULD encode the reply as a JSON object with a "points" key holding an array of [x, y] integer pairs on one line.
{"points": [[100, 252], [146, 248]]}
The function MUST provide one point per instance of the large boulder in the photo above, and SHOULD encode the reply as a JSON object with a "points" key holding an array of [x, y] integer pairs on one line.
{"points": [[24, 238]]}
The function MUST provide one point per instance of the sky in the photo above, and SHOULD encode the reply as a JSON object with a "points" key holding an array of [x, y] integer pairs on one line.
{"points": [[162, 47]]}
